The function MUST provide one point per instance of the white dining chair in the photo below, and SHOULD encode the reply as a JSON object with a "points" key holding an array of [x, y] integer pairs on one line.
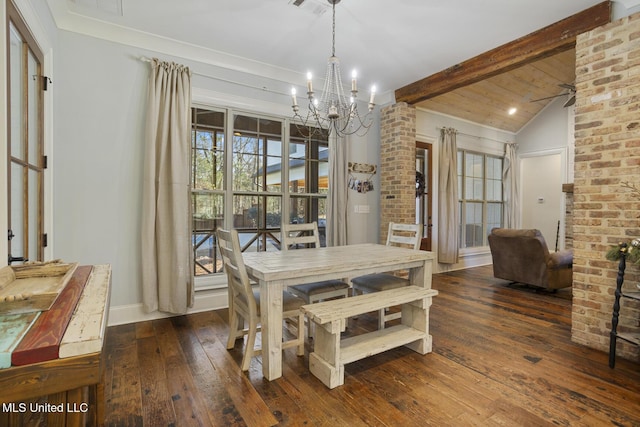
{"points": [[244, 301], [403, 235], [307, 235]]}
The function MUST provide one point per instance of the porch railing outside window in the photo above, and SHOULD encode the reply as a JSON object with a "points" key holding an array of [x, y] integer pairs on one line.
{"points": [[308, 178], [257, 182], [207, 181], [248, 184]]}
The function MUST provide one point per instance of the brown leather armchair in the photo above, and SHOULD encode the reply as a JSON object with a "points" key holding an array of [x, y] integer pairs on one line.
{"points": [[522, 256]]}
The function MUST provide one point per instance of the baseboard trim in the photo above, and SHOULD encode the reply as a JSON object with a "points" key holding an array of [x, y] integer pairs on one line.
{"points": [[132, 313], [216, 299], [465, 261]]}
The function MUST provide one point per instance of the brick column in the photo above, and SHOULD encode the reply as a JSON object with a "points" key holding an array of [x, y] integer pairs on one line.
{"points": [[397, 166], [607, 132], [567, 189]]}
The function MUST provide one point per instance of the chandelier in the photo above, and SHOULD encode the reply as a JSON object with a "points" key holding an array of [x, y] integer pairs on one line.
{"points": [[333, 110]]}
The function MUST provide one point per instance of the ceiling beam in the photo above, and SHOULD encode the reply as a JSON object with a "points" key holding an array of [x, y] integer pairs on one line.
{"points": [[540, 44]]}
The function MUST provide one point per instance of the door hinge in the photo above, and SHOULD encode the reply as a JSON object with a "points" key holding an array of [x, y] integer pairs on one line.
{"points": [[45, 162], [45, 240], [45, 82]]}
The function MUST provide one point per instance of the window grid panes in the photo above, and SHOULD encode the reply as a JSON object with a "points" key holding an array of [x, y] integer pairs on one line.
{"points": [[308, 177], [257, 181], [26, 164], [207, 183], [481, 199], [239, 180]]}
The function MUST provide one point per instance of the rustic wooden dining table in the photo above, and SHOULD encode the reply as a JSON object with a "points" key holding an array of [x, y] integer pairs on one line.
{"points": [[274, 271]]}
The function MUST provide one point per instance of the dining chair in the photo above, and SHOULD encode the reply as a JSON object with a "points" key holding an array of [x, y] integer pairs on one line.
{"points": [[307, 235], [244, 301], [403, 235]]}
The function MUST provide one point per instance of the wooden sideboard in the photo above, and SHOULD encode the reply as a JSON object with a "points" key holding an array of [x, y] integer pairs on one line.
{"points": [[67, 390]]}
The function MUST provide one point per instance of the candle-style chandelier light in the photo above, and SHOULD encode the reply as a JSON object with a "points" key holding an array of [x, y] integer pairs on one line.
{"points": [[333, 110]]}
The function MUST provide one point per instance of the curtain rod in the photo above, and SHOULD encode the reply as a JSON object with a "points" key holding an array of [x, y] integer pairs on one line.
{"points": [[478, 137], [263, 88]]}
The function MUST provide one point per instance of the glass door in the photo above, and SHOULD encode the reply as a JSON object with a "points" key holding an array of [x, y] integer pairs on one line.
{"points": [[25, 136]]}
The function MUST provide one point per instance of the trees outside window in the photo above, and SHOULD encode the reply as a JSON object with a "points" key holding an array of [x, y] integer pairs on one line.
{"points": [[241, 179]]}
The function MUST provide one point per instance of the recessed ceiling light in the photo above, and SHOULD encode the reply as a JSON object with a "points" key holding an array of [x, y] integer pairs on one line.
{"points": [[512, 111]]}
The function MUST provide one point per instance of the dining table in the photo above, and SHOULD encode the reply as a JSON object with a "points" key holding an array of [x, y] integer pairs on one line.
{"points": [[275, 271]]}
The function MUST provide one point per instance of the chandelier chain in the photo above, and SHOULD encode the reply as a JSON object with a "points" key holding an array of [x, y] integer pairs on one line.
{"points": [[333, 33]]}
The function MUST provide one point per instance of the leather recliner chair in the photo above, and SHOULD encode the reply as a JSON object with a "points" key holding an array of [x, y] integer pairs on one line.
{"points": [[522, 256]]}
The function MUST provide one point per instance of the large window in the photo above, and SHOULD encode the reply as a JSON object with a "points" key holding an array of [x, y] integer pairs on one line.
{"points": [[241, 179], [480, 193], [308, 178]]}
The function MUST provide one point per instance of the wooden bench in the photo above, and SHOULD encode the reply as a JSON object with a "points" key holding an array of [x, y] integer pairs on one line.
{"points": [[331, 352]]}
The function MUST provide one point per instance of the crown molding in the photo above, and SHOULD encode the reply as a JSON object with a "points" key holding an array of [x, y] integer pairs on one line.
{"points": [[74, 22], [629, 4]]}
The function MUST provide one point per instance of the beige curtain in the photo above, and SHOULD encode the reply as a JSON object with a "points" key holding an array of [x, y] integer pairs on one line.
{"points": [[167, 279], [337, 192], [511, 208], [448, 217]]}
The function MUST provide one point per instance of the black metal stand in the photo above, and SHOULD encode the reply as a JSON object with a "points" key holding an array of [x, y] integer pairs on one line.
{"points": [[616, 311]]}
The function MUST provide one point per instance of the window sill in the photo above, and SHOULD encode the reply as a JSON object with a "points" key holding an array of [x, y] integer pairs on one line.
{"points": [[210, 282], [469, 252]]}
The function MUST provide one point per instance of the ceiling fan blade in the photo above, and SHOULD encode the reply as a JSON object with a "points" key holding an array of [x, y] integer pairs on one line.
{"points": [[548, 97], [570, 101]]}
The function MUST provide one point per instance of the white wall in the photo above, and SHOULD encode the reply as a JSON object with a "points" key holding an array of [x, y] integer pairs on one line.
{"points": [[544, 157], [547, 131], [363, 227], [100, 100]]}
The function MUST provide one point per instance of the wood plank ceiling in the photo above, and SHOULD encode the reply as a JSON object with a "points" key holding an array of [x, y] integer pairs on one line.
{"points": [[515, 75], [488, 101]]}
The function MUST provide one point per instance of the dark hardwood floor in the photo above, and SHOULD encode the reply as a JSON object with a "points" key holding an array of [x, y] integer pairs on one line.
{"points": [[502, 355]]}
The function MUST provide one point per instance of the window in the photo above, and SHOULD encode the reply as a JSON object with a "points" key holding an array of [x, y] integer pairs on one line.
{"points": [[240, 179], [308, 178], [207, 187], [480, 194], [257, 182], [26, 161]]}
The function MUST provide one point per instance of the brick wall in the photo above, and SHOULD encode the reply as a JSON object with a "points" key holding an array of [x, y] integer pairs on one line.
{"points": [[607, 133], [397, 166], [567, 189]]}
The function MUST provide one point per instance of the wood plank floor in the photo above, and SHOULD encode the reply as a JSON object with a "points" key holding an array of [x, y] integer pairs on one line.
{"points": [[502, 355]]}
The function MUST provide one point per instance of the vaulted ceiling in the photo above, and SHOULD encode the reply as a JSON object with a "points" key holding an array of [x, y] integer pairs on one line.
{"points": [[488, 101], [507, 86], [392, 44]]}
